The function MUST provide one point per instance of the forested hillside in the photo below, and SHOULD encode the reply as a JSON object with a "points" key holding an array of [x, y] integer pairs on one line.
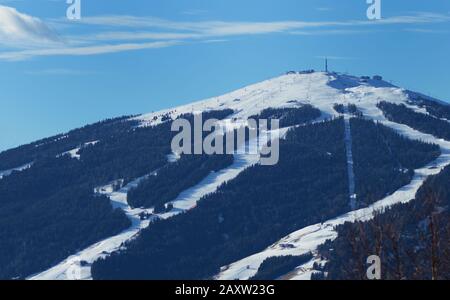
{"points": [[434, 108], [384, 161], [274, 267], [289, 116], [52, 146], [51, 208], [412, 240], [401, 114]]}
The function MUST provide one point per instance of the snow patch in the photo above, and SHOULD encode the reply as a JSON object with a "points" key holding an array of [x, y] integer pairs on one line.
{"points": [[74, 152], [18, 169]]}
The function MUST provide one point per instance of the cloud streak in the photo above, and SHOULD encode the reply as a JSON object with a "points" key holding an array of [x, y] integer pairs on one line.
{"points": [[238, 28], [56, 72], [216, 29], [83, 51], [21, 30], [31, 37]]}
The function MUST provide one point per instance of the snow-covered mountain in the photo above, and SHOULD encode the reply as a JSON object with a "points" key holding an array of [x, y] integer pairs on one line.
{"points": [[320, 89], [371, 145]]}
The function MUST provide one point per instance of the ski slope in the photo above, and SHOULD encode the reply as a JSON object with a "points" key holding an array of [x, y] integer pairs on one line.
{"points": [[283, 91], [319, 89]]}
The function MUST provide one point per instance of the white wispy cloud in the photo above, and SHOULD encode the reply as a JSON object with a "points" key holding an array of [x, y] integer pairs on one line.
{"points": [[331, 32], [56, 72], [194, 12], [427, 31], [131, 35], [21, 30], [336, 57], [23, 36], [82, 51], [238, 28], [201, 27], [324, 8]]}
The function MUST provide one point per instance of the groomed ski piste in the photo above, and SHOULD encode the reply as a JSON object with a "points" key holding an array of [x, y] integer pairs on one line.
{"points": [[322, 90]]}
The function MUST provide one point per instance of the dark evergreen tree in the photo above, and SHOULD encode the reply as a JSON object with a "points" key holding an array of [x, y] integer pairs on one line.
{"points": [[401, 114], [384, 161], [274, 267], [412, 240]]}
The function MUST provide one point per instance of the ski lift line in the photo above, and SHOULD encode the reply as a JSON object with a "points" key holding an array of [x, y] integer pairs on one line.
{"points": [[349, 155], [308, 89]]}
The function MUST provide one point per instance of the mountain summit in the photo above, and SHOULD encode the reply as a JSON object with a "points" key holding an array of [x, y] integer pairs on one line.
{"points": [[320, 89]]}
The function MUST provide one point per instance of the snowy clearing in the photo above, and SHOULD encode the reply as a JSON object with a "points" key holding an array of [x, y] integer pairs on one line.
{"points": [[74, 152], [18, 169]]}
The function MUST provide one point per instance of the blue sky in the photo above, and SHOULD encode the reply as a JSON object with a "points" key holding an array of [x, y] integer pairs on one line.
{"points": [[136, 56]]}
